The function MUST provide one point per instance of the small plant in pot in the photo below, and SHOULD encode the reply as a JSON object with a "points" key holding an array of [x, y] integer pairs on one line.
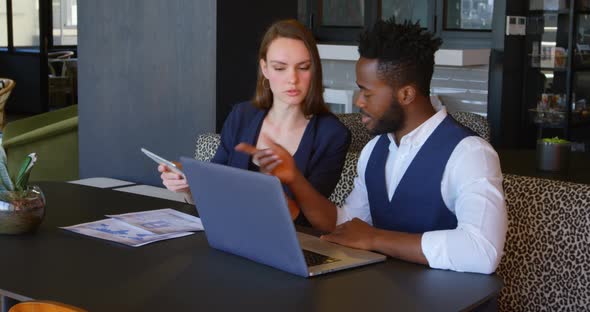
{"points": [[553, 154], [22, 206]]}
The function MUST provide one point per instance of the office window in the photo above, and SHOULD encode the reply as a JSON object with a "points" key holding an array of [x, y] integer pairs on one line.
{"points": [[25, 23], [416, 10], [343, 13], [3, 24], [468, 15], [65, 22]]}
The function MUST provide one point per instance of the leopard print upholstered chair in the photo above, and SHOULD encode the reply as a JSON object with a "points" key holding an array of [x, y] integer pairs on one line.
{"points": [[344, 186], [475, 122], [359, 135], [206, 146], [546, 262]]}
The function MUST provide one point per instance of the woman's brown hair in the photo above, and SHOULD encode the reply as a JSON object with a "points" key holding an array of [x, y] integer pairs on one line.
{"points": [[313, 103]]}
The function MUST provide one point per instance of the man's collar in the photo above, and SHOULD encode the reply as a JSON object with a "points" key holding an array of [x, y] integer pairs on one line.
{"points": [[418, 136]]}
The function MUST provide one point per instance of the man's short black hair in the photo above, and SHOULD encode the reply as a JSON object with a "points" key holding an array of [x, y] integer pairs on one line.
{"points": [[405, 53]]}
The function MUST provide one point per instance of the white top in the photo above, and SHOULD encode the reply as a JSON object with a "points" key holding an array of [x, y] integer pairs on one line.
{"points": [[471, 188]]}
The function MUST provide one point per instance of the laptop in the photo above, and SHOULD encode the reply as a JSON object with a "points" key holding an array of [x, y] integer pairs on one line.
{"points": [[246, 213]]}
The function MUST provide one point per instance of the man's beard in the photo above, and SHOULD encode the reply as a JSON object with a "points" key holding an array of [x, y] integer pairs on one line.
{"points": [[391, 120]]}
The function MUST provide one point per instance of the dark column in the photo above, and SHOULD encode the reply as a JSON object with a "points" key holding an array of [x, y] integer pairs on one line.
{"points": [[240, 26], [146, 79], [505, 92]]}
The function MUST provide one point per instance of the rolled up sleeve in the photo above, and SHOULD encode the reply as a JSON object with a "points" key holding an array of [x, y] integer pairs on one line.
{"points": [[472, 188]]}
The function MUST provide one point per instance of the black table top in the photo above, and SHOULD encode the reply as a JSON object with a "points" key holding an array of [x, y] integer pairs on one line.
{"points": [[524, 162], [186, 274]]}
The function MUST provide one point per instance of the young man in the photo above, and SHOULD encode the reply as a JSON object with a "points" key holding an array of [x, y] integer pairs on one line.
{"points": [[428, 190]]}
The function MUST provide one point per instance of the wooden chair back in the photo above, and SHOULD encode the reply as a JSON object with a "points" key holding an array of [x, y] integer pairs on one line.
{"points": [[44, 306], [9, 84]]}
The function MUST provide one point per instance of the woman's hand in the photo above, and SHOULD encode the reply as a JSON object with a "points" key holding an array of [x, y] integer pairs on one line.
{"points": [[173, 181], [274, 160]]}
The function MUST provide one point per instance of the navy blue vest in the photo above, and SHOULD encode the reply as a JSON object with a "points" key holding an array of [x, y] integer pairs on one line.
{"points": [[417, 205]]}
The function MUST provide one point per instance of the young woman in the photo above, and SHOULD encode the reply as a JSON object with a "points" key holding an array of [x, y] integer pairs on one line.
{"points": [[288, 108]]}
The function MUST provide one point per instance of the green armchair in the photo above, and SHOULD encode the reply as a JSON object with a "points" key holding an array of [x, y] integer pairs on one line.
{"points": [[53, 136]]}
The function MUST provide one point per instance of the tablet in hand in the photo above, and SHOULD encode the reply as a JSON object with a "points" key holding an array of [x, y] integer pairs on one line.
{"points": [[164, 161]]}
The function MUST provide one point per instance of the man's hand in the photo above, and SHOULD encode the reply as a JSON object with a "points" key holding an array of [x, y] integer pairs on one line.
{"points": [[355, 233], [293, 208], [360, 235], [274, 160]]}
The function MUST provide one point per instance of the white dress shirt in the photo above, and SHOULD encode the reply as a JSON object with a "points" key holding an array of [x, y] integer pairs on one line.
{"points": [[471, 188]]}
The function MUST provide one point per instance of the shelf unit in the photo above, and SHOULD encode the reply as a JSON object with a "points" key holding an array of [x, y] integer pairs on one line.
{"points": [[557, 70]]}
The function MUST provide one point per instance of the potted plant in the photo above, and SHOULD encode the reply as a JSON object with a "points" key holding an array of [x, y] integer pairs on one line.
{"points": [[22, 207], [553, 154]]}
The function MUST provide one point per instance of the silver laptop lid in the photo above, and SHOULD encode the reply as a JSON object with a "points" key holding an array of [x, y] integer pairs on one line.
{"points": [[245, 213]]}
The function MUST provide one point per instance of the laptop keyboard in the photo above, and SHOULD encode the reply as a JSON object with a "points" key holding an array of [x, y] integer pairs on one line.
{"points": [[312, 258]]}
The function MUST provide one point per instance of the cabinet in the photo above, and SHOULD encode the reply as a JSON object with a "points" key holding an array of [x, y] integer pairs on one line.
{"points": [[557, 68]]}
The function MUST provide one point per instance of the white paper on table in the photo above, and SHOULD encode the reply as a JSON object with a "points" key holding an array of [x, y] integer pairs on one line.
{"points": [[121, 232], [162, 221]]}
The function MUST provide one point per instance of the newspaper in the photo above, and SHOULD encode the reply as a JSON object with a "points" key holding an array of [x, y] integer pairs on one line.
{"points": [[140, 228]]}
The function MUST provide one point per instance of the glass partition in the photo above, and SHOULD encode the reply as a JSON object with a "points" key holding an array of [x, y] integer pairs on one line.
{"points": [[547, 92], [343, 13], [549, 5], [468, 14], [581, 88], [25, 22], [549, 40], [3, 23], [402, 9], [582, 47], [65, 22], [581, 98]]}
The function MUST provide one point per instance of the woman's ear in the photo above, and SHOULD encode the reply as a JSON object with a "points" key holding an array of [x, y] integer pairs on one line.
{"points": [[406, 94], [263, 68]]}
